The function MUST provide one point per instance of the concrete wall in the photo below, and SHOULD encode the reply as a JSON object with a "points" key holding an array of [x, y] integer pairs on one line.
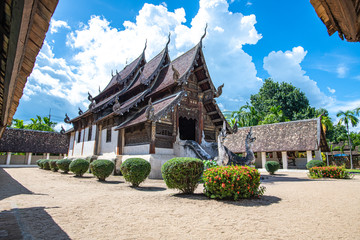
{"points": [[78, 145], [109, 147], [2, 159], [137, 149], [18, 160], [89, 145]]}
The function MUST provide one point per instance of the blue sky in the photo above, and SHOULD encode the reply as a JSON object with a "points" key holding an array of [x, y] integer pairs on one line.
{"points": [[247, 41]]}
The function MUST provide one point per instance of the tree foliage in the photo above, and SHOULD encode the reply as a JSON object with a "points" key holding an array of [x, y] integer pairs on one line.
{"points": [[38, 123]]}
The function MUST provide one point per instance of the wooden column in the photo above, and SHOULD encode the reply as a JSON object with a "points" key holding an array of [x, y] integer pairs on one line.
{"points": [[121, 142], [152, 140], [201, 119], [263, 159], [83, 138], [8, 158], [309, 156], [29, 158], [98, 148], [284, 160]]}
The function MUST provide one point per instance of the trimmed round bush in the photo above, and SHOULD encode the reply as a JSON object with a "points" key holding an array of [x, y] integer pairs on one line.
{"points": [[315, 163], [232, 182], [64, 164], [272, 167], [79, 166], [39, 163], [45, 164], [102, 168], [182, 173], [53, 165], [135, 170]]}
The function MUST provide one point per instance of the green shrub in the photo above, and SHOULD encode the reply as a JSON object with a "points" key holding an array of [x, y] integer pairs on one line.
{"points": [[232, 182], [329, 172], [39, 163], [45, 164], [135, 170], [272, 167], [209, 163], [64, 164], [79, 166], [102, 168], [183, 173], [315, 163], [53, 165]]}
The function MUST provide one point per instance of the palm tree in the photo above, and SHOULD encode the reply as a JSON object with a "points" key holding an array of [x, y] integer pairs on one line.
{"points": [[275, 115], [347, 118], [17, 123]]}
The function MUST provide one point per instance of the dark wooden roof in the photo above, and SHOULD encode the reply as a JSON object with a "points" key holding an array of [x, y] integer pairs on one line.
{"points": [[23, 140], [342, 16], [23, 28], [303, 135]]}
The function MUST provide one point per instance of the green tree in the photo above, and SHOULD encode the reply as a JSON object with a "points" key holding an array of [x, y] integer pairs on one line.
{"points": [[347, 118], [275, 115], [38, 123], [293, 102], [246, 116], [17, 123]]}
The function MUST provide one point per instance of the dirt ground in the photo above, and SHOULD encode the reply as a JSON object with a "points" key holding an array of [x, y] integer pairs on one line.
{"points": [[39, 204]]}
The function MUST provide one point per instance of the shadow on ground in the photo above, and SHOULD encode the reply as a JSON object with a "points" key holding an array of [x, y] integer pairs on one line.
{"points": [[110, 182], [283, 178], [10, 187], [29, 223], [150, 189], [263, 201]]}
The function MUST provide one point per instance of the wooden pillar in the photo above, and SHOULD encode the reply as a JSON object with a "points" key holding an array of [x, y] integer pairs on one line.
{"points": [[29, 158], [309, 156], [152, 140], [121, 142], [47, 155], [201, 119], [74, 144], [284, 158], [175, 124], [263, 159], [8, 158], [98, 148], [83, 138]]}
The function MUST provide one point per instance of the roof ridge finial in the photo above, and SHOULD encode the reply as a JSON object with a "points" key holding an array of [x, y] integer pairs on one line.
{"points": [[145, 45], [168, 39], [202, 37]]}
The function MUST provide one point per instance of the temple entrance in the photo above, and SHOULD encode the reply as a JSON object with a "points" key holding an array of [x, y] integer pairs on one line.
{"points": [[187, 128]]}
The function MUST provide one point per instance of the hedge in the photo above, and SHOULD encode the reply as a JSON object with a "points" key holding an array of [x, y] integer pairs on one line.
{"points": [[272, 167], [53, 165], [315, 163], [64, 164], [102, 168], [183, 173], [135, 170], [329, 172], [232, 182], [79, 166]]}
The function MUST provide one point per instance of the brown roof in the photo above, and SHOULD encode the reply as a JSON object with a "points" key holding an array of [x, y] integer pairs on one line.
{"points": [[124, 74], [23, 28], [303, 135], [24, 140], [161, 108], [342, 16]]}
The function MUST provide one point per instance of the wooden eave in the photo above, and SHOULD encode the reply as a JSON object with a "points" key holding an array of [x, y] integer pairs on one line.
{"points": [[342, 16], [22, 38]]}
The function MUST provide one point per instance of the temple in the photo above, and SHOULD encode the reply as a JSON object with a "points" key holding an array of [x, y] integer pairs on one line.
{"points": [[148, 109]]}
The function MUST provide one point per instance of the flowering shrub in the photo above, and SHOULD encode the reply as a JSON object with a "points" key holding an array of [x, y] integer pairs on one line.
{"points": [[329, 172], [233, 182]]}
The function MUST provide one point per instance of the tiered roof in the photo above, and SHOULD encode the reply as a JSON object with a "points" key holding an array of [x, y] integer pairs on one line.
{"points": [[161, 80]]}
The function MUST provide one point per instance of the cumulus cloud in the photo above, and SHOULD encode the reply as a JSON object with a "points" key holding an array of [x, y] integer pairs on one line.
{"points": [[55, 25], [286, 67], [100, 48], [331, 90], [342, 71]]}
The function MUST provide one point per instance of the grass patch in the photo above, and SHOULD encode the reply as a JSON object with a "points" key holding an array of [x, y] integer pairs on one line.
{"points": [[353, 170]]}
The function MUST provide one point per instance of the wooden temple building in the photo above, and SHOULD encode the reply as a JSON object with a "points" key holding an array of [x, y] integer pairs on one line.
{"points": [[147, 108]]}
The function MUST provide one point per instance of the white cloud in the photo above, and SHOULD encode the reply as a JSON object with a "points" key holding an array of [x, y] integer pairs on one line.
{"points": [[342, 71], [331, 90], [55, 25], [285, 67], [100, 48]]}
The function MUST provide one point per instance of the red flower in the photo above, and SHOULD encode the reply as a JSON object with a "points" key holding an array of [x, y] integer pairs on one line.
{"points": [[223, 185]]}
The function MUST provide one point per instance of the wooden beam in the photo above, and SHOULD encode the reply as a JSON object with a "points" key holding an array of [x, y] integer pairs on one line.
{"points": [[212, 113], [197, 69], [217, 120], [152, 141], [203, 81]]}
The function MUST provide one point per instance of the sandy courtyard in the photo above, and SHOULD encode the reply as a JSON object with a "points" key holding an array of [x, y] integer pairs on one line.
{"points": [[41, 204]]}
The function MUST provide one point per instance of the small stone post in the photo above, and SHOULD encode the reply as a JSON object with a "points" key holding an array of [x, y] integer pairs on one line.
{"points": [[29, 158], [309, 156], [47, 155], [263, 159], [8, 158], [284, 158]]}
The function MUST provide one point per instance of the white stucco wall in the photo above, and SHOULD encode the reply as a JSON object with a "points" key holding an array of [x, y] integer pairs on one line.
{"points": [[89, 145], [78, 145], [71, 143], [137, 149], [109, 147]]}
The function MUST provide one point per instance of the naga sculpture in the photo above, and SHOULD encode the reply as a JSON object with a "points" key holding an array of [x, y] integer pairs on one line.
{"points": [[218, 91], [226, 157], [66, 119], [62, 131], [80, 111]]}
